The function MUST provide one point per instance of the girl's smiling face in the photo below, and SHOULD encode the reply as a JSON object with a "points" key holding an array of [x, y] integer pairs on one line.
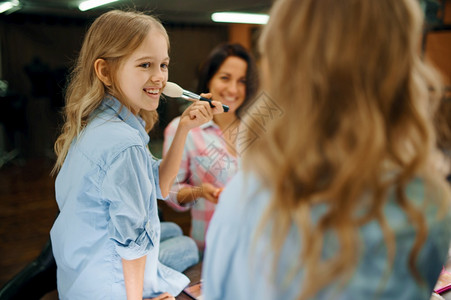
{"points": [[228, 85], [143, 74]]}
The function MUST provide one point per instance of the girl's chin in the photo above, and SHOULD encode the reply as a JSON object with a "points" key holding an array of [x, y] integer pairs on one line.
{"points": [[151, 108], [150, 105]]}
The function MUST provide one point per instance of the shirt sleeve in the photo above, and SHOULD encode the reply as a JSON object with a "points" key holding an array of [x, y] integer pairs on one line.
{"points": [[128, 189], [156, 175], [184, 173]]}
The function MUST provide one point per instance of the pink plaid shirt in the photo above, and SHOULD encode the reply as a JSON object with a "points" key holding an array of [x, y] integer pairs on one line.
{"points": [[205, 159]]}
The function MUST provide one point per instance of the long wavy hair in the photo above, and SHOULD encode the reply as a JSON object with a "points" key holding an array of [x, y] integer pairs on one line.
{"points": [[358, 103], [112, 36]]}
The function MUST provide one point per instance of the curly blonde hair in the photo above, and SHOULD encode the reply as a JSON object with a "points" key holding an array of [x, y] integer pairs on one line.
{"points": [[357, 103], [112, 36]]}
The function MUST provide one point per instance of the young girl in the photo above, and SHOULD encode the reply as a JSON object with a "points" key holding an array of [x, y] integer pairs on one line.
{"points": [[210, 158], [340, 197], [106, 239]]}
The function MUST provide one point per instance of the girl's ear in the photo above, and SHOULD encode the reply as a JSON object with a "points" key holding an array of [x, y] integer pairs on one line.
{"points": [[102, 71]]}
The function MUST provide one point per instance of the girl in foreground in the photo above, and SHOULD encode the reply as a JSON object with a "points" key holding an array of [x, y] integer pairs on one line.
{"points": [[339, 198], [106, 239]]}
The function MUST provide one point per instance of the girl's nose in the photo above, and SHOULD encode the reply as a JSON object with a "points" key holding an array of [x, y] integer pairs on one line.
{"points": [[157, 76]]}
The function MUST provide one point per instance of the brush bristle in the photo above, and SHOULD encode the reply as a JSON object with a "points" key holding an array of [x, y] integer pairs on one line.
{"points": [[172, 90]]}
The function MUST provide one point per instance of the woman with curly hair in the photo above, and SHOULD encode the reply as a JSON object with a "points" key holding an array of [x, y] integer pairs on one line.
{"points": [[340, 197]]}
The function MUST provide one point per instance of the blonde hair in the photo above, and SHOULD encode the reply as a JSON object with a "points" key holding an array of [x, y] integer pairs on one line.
{"points": [[112, 36], [357, 103]]}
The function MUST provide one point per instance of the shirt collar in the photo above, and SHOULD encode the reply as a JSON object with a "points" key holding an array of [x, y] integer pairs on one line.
{"points": [[127, 116]]}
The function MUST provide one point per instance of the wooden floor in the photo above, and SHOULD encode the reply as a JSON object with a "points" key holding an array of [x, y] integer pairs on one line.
{"points": [[27, 212]]}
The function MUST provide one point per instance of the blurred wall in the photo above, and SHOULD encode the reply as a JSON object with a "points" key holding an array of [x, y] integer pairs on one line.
{"points": [[437, 45], [437, 50]]}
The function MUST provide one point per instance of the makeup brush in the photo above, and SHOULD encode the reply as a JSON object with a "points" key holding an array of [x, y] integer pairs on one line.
{"points": [[175, 91]]}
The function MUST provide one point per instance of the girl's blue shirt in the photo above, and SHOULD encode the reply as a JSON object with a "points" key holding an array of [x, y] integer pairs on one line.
{"points": [[237, 266], [107, 191]]}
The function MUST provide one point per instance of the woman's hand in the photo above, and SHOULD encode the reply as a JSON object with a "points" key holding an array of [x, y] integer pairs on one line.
{"points": [[164, 296], [200, 112], [196, 114], [210, 192], [205, 190]]}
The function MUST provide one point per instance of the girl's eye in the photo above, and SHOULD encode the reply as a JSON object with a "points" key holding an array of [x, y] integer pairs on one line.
{"points": [[243, 81], [165, 66], [145, 65], [224, 78]]}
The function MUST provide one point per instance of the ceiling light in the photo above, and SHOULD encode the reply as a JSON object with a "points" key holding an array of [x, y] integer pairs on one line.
{"points": [[85, 5], [8, 5], [235, 17]]}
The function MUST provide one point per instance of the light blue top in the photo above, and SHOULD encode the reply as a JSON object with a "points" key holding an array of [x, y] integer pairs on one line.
{"points": [[107, 192], [232, 271]]}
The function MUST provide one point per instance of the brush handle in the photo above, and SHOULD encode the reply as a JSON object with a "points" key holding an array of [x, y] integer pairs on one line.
{"points": [[192, 95], [225, 107]]}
